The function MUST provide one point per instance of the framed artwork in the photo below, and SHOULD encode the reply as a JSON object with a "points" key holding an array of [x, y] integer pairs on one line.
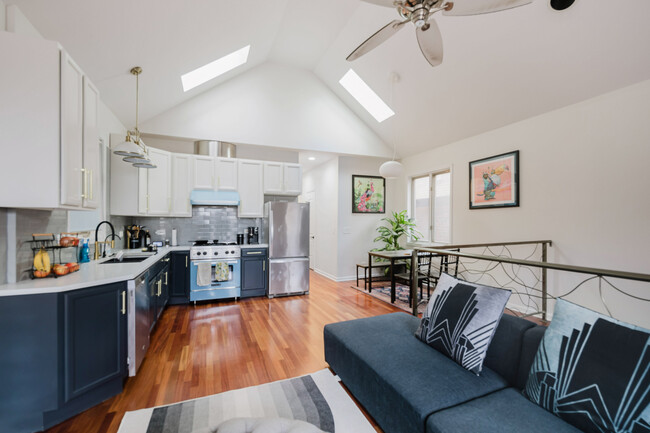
{"points": [[494, 181], [368, 194]]}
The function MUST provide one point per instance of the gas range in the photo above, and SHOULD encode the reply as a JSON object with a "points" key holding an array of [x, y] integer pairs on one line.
{"points": [[211, 250]]}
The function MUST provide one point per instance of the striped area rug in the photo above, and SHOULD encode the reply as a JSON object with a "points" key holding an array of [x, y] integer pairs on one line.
{"points": [[316, 398]]}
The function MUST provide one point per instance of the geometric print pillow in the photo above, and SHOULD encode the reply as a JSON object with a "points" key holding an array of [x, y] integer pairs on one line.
{"points": [[461, 319], [593, 371]]}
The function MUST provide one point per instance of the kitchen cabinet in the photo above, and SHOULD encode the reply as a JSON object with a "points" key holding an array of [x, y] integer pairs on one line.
{"points": [[254, 272], [179, 290], [43, 93], [158, 291], [251, 188], [282, 178], [204, 167], [181, 179], [226, 171], [94, 335], [159, 183]]}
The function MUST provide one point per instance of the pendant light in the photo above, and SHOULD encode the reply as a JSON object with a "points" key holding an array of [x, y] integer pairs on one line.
{"points": [[132, 148], [392, 169]]}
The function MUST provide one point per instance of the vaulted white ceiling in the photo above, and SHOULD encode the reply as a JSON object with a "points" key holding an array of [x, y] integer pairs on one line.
{"points": [[498, 68]]}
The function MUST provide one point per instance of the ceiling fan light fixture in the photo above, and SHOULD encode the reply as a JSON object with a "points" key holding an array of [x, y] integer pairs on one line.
{"points": [[391, 169]]}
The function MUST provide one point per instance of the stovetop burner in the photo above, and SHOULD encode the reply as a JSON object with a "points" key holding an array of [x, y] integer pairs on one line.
{"points": [[204, 242]]}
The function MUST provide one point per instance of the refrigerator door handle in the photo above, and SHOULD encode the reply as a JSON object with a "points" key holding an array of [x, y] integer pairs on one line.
{"points": [[288, 260]]}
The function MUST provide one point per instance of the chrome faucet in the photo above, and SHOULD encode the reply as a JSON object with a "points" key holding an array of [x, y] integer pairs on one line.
{"points": [[97, 243]]}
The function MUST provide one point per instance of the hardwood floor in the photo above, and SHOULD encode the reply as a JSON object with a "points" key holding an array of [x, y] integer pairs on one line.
{"points": [[212, 348]]}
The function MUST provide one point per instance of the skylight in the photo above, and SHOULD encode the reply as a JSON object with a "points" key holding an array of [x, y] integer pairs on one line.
{"points": [[366, 96], [214, 69]]}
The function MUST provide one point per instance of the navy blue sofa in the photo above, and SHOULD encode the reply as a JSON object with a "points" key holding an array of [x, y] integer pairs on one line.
{"points": [[409, 387]]}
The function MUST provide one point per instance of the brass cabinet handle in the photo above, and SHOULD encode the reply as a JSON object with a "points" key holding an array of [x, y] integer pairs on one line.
{"points": [[159, 287], [251, 253], [123, 302], [84, 183], [264, 266], [90, 175], [166, 280], [186, 257]]}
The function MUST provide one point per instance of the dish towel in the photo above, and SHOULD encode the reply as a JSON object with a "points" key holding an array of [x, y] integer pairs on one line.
{"points": [[203, 277], [221, 271]]}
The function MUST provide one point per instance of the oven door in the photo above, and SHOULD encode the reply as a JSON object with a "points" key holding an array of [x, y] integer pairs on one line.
{"points": [[225, 278]]}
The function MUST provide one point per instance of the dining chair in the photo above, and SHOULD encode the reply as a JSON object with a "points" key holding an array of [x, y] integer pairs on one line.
{"points": [[428, 273]]}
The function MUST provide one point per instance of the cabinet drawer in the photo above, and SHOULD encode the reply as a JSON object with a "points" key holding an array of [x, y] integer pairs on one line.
{"points": [[254, 252]]}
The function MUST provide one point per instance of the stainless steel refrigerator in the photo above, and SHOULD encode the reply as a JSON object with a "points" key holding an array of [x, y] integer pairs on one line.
{"points": [[286, 230]]}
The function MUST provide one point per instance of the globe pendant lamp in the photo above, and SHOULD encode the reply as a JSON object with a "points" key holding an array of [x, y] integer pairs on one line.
{"points": [[392, 169]]}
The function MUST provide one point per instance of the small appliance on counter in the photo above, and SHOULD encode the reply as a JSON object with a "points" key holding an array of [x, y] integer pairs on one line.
{"points": [[137, 237], [253, 234]]}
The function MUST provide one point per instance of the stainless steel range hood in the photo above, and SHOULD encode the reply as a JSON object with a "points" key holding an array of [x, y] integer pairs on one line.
{"points": [[200, 197], [215, 148]]}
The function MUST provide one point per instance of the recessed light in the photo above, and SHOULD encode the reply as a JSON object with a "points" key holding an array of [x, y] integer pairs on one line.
{"points": [[366, 96], [214, 69], [312, 158]]}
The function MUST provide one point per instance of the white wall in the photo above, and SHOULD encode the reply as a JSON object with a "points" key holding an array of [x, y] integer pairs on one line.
{"points": [[357, 231], [2, 16], [584, 184], [17, 22], [323, 181], [272, 105]]}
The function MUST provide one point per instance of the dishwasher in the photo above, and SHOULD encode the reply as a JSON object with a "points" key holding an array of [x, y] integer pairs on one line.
{"points": [[139, 322]]}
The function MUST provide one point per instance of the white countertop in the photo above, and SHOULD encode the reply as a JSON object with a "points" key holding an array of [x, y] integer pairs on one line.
{"points": [[254, 246], [90, 274]]}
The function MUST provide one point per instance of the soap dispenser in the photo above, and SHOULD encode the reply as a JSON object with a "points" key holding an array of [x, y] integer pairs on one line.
{"points": [[84, 255]]}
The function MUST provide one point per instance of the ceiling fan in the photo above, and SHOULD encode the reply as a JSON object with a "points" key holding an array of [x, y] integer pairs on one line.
{"points": [[419, 13]]}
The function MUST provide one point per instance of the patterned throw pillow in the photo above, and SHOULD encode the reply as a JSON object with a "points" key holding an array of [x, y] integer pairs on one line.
{"points": [[593, 372], [460, 320]]}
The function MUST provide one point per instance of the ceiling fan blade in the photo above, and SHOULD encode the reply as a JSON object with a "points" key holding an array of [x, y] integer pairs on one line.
{"points": [[430, 41], [477, 7], [387, 3], [377, 39]]}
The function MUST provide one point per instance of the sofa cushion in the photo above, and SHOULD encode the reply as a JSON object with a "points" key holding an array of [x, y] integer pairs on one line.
{"points": [[529, 346], [503, 356], [593, 371], [461, 319], [505, 411], [397, 378]]}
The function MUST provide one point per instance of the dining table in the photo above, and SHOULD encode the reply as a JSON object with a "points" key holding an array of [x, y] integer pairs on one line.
{"points": [[392, 257]]}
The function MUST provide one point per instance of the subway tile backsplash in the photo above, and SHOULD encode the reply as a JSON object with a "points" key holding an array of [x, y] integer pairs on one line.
{"points": [[208, 222]]}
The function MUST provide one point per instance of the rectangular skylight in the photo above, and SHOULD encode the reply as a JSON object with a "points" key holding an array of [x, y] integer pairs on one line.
{"points": [[366, 96], [214, 69]]}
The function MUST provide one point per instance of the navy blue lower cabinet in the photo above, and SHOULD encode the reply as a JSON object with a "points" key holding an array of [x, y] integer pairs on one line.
{"points": [[93, 348], [254, 272], [179, 284]]}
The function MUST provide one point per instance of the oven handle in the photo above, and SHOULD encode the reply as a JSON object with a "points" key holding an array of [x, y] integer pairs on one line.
{"points": [[212, 288], [196, 262]]}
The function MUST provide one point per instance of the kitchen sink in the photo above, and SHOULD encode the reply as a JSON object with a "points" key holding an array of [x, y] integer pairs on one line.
{"points": [[126, 260]]}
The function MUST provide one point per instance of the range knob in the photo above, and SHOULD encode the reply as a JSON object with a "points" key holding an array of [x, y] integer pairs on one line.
{"points": [[232, 252], [205, 253], [216, 253], [227, 252]]}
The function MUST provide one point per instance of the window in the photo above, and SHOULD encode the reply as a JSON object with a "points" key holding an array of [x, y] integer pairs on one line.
{"points": [[432, 206]]}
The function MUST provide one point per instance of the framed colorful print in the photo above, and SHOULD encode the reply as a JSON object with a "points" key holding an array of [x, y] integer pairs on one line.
{"points": [[368, 194], [494, 181]]}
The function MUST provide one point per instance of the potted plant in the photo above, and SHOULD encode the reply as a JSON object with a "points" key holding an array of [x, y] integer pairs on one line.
{"points": [[399, 225]]}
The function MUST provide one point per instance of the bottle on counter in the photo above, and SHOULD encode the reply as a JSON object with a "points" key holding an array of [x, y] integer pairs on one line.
{"points": [[84, 253]]}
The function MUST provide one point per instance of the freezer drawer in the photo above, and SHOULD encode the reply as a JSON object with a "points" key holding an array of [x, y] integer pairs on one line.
{"points": [[288, 276]]}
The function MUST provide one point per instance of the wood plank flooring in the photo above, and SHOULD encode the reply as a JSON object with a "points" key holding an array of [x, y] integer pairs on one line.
{"points": [[212, 348]]}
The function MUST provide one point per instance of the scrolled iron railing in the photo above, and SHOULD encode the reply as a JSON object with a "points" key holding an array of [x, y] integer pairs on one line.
{"points": [[528, 279]]}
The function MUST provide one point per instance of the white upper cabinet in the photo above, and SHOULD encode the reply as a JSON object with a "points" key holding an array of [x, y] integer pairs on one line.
{"points": [[203, 172], [282, 178], [44, 126], [181, 185], [251, 188], [273, 178], [292, 184], [226, 171], [73, 177], [92, 169], [159, 182]]}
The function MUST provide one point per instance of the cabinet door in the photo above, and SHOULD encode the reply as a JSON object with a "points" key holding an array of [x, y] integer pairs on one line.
{"points": [[92, 173], [251, 189], [71, 132], [181, 185], [203, 172], [273, 178], [94, 333], [179, 290], [292, 181], [159, 182], [143, 190], [226, 170], [253, 276]]}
